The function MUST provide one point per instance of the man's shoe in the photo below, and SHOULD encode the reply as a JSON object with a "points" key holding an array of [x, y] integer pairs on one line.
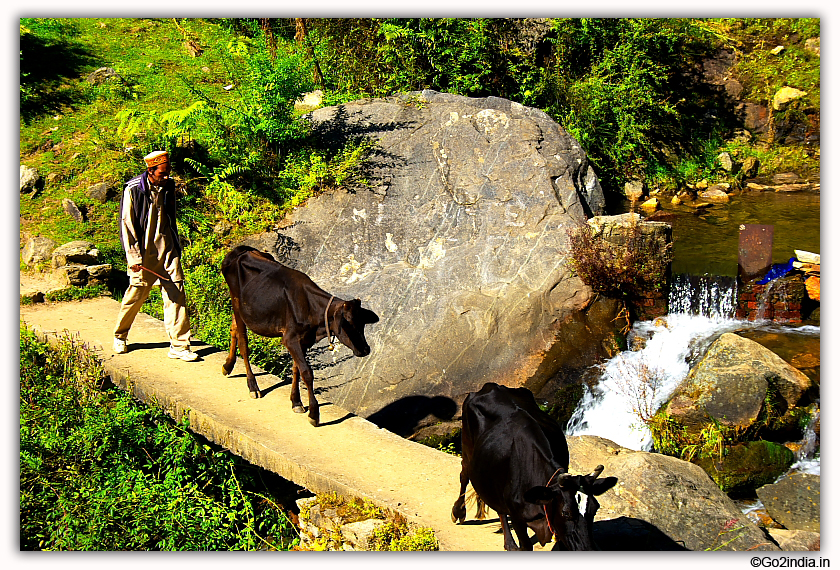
{"points": [[119, 346], [184, 354]]}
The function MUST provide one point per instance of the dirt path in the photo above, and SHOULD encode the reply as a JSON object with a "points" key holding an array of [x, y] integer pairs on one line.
{"points": [[347, 454]]}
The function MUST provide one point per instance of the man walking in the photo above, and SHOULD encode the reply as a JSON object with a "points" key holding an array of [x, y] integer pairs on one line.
{"points": [[149, 235]]}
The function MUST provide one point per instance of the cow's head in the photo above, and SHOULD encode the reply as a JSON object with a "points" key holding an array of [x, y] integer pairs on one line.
{"points": [[570, 506], [351, 319]]}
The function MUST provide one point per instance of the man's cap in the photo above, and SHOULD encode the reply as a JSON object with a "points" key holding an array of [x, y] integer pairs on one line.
{"points": [[156, 157]]}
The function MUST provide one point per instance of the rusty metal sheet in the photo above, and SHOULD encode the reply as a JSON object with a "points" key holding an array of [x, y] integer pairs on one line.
{"points": [[755, 250]]}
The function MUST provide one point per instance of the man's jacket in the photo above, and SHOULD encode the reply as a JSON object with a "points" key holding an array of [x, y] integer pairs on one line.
{"points": [[138, 187]]}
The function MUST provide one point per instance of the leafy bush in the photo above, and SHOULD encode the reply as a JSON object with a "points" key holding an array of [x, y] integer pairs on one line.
{"points": [[99, 471], [633, 269]]}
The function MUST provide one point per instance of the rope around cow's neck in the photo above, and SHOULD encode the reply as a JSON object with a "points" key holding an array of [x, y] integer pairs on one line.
{"points": [[330, 338], [551, 530]]}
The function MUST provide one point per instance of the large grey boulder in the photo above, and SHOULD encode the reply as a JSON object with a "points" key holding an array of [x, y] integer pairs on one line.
{"points": [[661, 502], [731, 382], [459, 243]]}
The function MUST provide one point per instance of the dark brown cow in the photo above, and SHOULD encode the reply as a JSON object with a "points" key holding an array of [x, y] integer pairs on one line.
{"points": [[274, 300], [516, 457]]}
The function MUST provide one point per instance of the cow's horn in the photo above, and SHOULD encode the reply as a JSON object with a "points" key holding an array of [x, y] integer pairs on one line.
{"points": [[597, 471]]}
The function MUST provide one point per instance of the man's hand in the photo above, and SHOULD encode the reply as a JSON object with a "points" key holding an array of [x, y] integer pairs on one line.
{"points": [[136, 267]]}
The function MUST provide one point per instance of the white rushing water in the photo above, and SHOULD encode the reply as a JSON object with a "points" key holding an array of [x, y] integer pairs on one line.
{"points": [[641, 381]]}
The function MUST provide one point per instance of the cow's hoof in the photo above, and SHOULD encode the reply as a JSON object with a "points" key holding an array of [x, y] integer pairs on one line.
{"points": [[314, 421], [298, 409], [256, 395], [226, 371]]}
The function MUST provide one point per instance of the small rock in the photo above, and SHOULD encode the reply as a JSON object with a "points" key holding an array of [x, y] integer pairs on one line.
{"points": [[785, 96], [748, 466], [102, 75], [756, 187], [30, 180], [726, 162], [73, 274], [360, 534], [99, 274], [813, 45], [795, 540], [777, 50], [652, 204], [101, 192], [310, 101], [37, 249], [31, 297], [715, 194], [72, 209], [793, 188], [78, 252], [786, 178]]}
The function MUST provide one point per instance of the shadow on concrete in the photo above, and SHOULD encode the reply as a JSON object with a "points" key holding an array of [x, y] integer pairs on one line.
{"points": [[337, 421], [133, 346], [404, 416]]}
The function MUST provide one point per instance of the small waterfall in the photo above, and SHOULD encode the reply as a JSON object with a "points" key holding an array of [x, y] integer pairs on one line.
{"points": [[614, 408], [712, 296]]}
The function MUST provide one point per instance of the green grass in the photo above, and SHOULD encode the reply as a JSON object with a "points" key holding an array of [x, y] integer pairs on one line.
{"points": [[76, 145], [100, 471]]}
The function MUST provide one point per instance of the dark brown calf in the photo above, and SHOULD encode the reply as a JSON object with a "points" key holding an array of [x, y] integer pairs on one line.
{"points": [[274, 300]]}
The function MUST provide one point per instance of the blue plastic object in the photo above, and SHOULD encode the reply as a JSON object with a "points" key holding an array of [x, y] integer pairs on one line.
{"points": [[777, 270]]}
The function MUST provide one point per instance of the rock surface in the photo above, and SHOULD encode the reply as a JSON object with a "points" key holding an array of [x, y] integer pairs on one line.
{"points": [[747, 466], [795, 540], [75, 252], [459, 243], [36, 250], [730, 384], [30, 180], [662, 503], [794, 501]]}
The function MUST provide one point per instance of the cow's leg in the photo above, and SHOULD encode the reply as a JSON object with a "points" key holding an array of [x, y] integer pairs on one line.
{"points": [[510, 544], [227, 367], [297, 405], [459, 509], [522, 533], [306, 374], [242, 341]]}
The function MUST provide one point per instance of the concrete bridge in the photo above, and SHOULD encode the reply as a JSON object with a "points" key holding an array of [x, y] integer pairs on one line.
{"points": [[347, 454]]}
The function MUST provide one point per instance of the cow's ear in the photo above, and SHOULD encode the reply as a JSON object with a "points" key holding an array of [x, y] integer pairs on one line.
{"points": [[540, 495], [600, 486], [369, 316]]}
